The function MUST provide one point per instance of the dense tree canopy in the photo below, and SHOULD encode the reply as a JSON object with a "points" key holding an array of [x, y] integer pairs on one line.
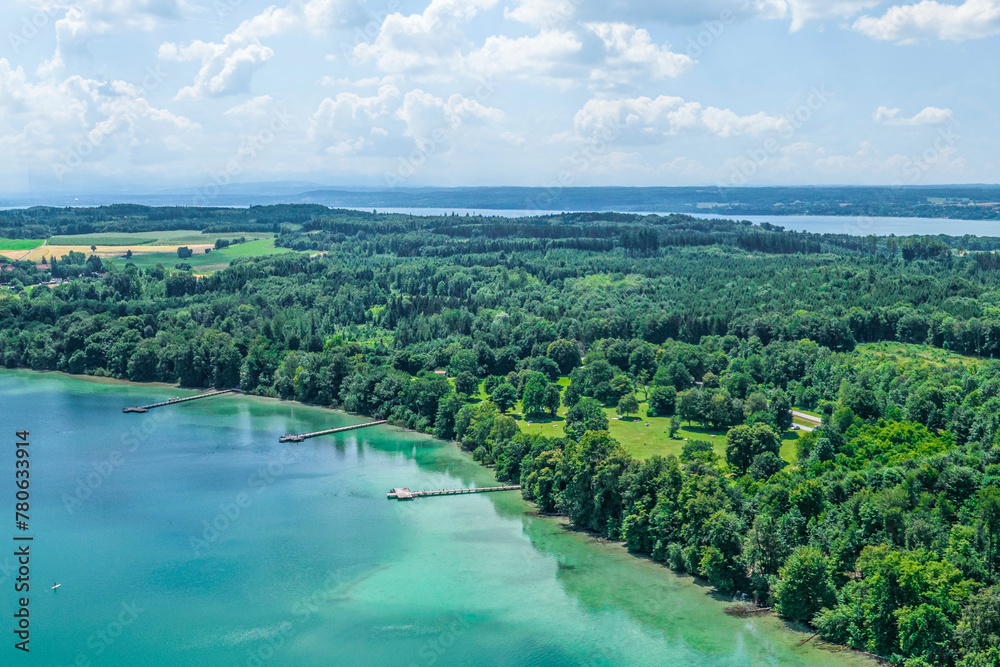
{"points": [[883, 533]]}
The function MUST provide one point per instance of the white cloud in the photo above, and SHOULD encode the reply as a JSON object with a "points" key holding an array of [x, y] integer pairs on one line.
{"points": [[391, 123], [228, 66], [928, 116], [423, 43], [632, 53], [804, 11], [973, 19], [255, 106], [644, 120], [534, 56], [96, 17], [542, 13], [85, 19], [57, 126], [675, 12]]}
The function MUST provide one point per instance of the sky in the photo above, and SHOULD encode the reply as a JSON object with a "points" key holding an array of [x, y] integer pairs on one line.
{"points": [[150, 95]]}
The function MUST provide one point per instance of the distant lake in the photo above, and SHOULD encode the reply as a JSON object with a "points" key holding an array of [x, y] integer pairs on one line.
{"points": [[190, 536], [820, 224]]}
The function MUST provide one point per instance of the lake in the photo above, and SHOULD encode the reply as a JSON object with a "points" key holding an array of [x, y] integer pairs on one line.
{"points": [[190, 536], [819, 224]]}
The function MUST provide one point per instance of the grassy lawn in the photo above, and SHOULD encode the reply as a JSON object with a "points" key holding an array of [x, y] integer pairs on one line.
{"points": [[19, 244], [213, 261], [643, 441], [925, 354]]}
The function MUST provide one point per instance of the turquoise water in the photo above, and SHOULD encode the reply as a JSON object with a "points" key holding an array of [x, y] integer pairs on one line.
{"points": [[189, 536]]}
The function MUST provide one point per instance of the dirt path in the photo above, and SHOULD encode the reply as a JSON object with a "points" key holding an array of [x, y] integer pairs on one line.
{"points": [[25, 255]]}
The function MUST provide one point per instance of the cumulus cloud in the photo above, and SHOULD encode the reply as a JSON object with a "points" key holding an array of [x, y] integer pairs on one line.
{"points": [[541, 55], [429, 43], [644, 120], [928, 116], [255, 106], [804, 11], [96, 17], [228, 66], [550, 13], [973, 19], [391, 122], [632, 53], [56, 126], [541, 13]]}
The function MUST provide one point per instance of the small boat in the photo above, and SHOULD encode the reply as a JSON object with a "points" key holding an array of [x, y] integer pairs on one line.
{"points": [[56, 586]]}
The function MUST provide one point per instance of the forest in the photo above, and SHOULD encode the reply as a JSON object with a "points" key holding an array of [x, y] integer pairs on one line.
{"points": [[883, 531]]}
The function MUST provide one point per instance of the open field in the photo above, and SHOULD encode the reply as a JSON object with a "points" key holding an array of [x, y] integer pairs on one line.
{"points": [[104, 251], [644, 441], [112, 245], [18, 248], [19, 244], [173, 238], [901, 352], [150, 248], [202, 263]]}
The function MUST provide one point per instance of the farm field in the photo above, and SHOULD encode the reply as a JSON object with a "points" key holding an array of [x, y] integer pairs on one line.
{"points": [[148, 248], [201, 262], [18, 248], [177, 237]]}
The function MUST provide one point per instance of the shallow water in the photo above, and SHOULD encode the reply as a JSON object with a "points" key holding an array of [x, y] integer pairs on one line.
{"points": [[307, 563]]}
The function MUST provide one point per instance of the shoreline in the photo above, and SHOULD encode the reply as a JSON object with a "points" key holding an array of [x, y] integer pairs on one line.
{"points": [[559, 522]]}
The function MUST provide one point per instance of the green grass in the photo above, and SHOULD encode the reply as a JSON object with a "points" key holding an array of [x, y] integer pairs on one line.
{"points": [[20, 244], [171, 237], [920, 354], [643, 441], [202, 263]]}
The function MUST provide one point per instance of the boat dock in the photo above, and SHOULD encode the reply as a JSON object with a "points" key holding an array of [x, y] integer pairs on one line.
{"points": [[299, 437], [405, 494], [172, 401]]}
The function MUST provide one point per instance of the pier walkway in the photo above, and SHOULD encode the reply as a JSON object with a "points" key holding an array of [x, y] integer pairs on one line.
{"points": [[405, 494], [304, 436], [172, 401]]}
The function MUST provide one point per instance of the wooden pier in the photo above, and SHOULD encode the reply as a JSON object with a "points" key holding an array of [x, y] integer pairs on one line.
{"points": [[299, 437], [405, 494], [172, 401]]}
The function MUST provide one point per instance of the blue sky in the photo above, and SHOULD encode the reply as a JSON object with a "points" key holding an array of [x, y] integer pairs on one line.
{"points": [[100, 95]]}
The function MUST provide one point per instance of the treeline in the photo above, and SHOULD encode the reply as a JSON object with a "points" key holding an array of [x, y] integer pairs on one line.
{"points": [[883, 535]]}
